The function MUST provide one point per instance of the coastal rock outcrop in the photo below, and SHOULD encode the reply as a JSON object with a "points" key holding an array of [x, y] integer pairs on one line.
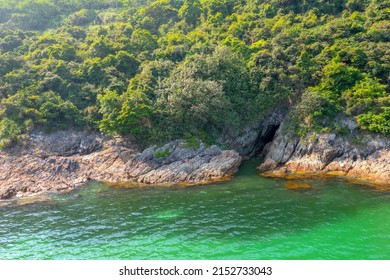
{"points": [[251, 140], [355, 156], [65, 160]]}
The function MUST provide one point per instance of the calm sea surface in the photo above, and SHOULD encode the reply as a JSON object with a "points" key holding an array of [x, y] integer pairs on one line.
{"points": [[247, 218]]}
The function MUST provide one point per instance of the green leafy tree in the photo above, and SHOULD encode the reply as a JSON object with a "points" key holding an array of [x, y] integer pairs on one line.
{"points": [[155, 14], [57, 114], [143, 40], [126, 63], [35, 14], [215, 6], [83, 17], [364, 96], [101, 48], [191, 11], [191, 104], [10, 132], [375, 122], [338, 77], [370, 104], [10, 42], [94, 71], [110, 106], [135, 115]]}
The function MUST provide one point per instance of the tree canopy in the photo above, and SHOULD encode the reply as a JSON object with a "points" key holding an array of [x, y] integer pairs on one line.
{"points": [[161, 69]]}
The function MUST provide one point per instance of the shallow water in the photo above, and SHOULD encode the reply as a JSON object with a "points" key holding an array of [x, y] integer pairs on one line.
{"points": [[247, 218]]}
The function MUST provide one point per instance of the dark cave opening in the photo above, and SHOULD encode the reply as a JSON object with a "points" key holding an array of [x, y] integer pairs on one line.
{"points": [[265, 136]]}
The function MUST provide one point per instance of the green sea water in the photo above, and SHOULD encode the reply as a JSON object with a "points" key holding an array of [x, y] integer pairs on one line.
{"points": [[248, 217]]}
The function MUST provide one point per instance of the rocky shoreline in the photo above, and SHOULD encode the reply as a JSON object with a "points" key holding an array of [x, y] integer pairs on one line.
{"points": [[363, 159], [65, 160], [62, 161]]}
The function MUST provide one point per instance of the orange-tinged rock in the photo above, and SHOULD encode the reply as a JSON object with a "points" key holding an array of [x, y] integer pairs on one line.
{"points": [[297, 186]]}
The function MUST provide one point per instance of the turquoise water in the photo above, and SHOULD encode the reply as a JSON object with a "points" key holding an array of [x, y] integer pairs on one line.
{"points": [[247, 218]]}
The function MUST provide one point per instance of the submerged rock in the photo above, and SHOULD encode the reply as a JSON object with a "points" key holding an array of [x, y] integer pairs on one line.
{"points": [[63, 161], [297, 186]]}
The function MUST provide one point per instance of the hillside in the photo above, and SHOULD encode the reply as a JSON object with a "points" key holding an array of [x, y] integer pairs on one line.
{"points": [[155, 71]]}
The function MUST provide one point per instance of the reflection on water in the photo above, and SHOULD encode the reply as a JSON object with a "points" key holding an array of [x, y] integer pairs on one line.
{"points": [[247, 218]]}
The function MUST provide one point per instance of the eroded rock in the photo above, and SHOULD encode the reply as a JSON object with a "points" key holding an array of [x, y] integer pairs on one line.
{"points": [[55, 163], [356, 156]]}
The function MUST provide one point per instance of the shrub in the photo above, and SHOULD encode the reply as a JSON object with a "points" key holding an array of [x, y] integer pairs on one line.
{"points": [[10, 132], [162, 154]]}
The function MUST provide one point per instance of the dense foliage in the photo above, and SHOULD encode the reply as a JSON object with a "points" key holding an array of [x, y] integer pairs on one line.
{"points": [[163, 69]]}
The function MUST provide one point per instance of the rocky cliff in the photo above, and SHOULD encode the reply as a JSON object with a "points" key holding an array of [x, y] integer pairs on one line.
{"points": [[65, 160], [365, 158]]}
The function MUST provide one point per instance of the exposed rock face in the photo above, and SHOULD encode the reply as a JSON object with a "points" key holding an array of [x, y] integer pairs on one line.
{"points": [[253, 139], [66, 143], [361, 157], [182, 164], [65, 160]]}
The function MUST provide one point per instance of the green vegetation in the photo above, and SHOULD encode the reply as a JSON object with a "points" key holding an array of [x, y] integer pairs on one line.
{"points": [[159, 70], [163, 154], [191, 141]]}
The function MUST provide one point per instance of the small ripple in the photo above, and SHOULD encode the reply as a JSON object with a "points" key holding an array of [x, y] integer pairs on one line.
{"points": [[251, 221]]}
